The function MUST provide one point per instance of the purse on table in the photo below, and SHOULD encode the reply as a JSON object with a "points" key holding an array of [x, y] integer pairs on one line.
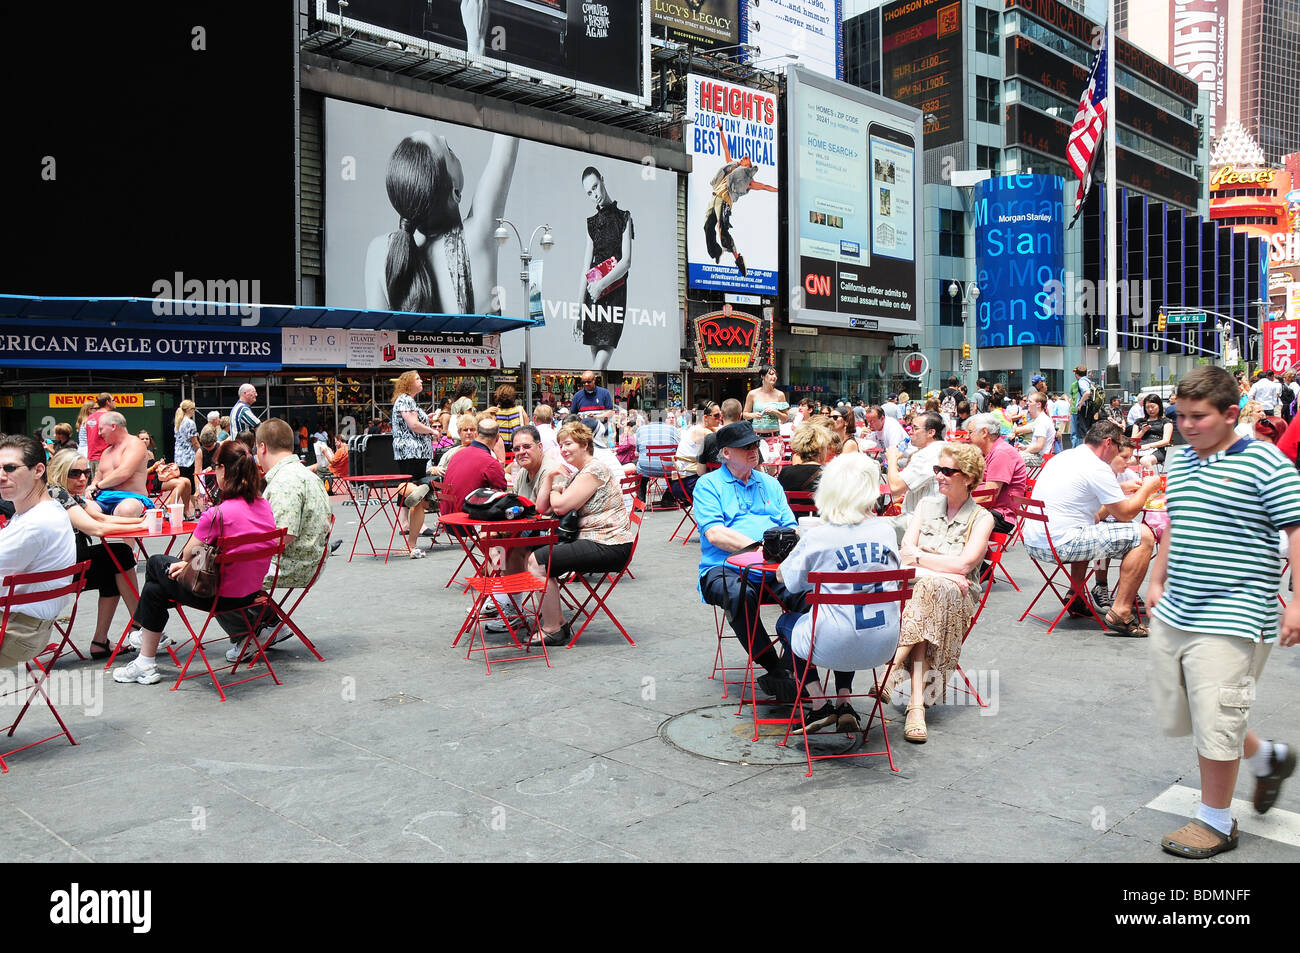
{"points": [[778, 543]]}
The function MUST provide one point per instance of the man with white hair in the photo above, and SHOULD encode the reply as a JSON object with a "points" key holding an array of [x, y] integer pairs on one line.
{"points": [[1004, 470], [242, 415]]}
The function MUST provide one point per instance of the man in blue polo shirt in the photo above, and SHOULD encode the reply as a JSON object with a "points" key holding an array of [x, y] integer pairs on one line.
{"points": [[733, 506], [592, 403]]}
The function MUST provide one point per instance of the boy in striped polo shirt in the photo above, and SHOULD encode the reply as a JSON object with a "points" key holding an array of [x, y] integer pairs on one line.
{"points": [[1215, 620]]}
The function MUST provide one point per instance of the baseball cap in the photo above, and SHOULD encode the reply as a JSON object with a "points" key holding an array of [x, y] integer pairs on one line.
{"points": [[1036, 378], [739, 434]]}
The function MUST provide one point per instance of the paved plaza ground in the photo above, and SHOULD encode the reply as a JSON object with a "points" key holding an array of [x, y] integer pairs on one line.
{"points": [[397, 748]]}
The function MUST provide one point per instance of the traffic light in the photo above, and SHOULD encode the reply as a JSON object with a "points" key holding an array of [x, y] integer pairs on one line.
{"points": [[965, 351], [1160, 321]]}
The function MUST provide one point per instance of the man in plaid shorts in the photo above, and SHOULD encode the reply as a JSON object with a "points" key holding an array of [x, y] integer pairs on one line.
{"points": [[1078, 487]]}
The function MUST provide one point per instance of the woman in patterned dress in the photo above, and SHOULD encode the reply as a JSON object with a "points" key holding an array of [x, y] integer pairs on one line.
{"points": [[412, 447], [604, 544], [946, 541]]}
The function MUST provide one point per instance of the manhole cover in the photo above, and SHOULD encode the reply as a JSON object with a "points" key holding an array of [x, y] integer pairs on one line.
{"points": [[719, 734]]}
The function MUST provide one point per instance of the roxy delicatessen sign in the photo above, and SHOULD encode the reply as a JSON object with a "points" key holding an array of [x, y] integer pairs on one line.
{"points": [[727, 340]]}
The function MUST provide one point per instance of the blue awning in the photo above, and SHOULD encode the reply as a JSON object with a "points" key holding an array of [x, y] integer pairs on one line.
{"points": [[147, 311]]}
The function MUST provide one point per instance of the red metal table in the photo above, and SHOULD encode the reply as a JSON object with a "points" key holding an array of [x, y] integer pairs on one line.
{"points": [[139, 536], [749, 564], [386, 484]]}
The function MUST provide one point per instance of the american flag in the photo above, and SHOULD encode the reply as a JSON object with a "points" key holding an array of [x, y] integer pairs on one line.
{"points": [[1089, 126]]}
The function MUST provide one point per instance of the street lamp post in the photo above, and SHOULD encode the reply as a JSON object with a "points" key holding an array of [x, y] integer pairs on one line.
{"points": [[970, 293], [525, 258]]}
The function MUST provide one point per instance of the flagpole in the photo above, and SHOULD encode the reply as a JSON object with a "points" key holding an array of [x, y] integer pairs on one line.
{"points": [[1112, 199]]}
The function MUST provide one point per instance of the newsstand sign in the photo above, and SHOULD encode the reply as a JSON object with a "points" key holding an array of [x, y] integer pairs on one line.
{"points": [[726, 340]]}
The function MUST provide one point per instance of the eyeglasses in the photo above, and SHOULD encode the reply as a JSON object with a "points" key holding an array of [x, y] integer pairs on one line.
{"points": [[11, 467], [946, 471], [78, 474], [837, 417]]}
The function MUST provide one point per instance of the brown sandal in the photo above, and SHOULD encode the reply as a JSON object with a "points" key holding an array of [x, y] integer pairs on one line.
{"points": [[1131, 627], [914, 729]]}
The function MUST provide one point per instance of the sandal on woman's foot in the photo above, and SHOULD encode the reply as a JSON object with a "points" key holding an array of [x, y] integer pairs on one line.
{"points": [[1129, 627], [914, 728], [99, 650], [883, 692], [560, 636]]}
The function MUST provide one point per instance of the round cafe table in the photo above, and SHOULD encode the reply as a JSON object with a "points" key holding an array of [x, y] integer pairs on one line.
{"points": [[754, 570], [169, 533]]}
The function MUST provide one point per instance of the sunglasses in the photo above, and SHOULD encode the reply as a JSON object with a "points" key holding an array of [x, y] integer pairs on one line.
{"points": [[946, 471], [837, 417], [11, 467], [78, 474]]}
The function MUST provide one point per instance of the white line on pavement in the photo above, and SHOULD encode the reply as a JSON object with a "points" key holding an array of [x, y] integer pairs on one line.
{"points": [[1281, 826]]}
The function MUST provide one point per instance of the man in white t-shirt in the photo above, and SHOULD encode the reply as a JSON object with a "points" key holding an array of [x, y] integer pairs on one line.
{"points": [[1267, 391], [1041, 430], [1075, 486], [38, 539], [916, 481], [882, 431]]}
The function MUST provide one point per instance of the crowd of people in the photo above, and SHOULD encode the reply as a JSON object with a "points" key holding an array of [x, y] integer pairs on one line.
{"points": [[920, 485]]}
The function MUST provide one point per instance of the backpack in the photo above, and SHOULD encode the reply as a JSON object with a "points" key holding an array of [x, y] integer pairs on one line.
{"points": [[497, 505], [949, 406], [1094, 407]]}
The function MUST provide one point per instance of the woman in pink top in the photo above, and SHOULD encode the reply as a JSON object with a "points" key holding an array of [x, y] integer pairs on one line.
{"points": [[242, 511]]}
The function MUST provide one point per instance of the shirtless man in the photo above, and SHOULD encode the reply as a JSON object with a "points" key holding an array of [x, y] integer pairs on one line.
{"points": [[119, 486]]}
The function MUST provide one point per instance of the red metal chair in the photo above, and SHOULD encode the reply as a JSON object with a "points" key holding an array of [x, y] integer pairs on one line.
{"points": [[38, 669], [659, 457], [502, 589], [597, 598], [1035, 510], [276, 607], [997, 546], [259, 546], [801, 502], [868, 591], [683, 494]]}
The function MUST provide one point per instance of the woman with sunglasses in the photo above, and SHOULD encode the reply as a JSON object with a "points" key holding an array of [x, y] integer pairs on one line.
{"points": [[691, 445], [1154, 432], [946, 542], [845, 427], [1270, 429], [242, 511], [68, 475]]}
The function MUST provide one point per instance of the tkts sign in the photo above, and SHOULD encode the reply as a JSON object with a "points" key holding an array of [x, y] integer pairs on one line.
{"points": [[1281, 345], [726, 340]]}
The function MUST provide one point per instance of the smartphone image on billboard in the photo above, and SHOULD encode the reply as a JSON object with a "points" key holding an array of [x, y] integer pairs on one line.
{"points": [[892, 159]]}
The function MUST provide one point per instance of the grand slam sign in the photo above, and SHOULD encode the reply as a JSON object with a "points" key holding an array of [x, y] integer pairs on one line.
{"points": [[1019, 257]]}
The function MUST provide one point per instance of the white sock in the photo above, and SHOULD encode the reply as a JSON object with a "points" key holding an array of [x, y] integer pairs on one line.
{"points": [[147, 661], [1261, 763], [1220, 818]]}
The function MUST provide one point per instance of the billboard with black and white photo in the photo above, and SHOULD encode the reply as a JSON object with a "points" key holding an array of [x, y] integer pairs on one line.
{"points": [[599, 45], [411, 205], [731, 198], [855, 198]]}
